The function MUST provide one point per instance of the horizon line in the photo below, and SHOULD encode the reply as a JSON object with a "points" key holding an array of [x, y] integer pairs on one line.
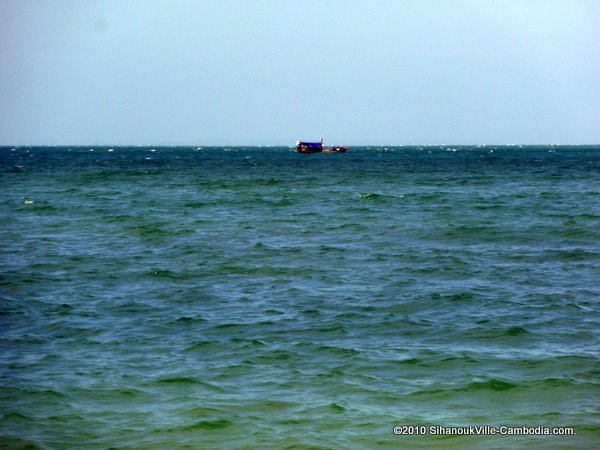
{"points": [[200, 145]]}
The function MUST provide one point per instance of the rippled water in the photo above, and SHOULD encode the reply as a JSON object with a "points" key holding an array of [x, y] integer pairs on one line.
{"points": [[259, 298]]}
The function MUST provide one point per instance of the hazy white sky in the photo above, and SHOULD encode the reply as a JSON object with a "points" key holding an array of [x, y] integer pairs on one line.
{"points": [[272, 71]]}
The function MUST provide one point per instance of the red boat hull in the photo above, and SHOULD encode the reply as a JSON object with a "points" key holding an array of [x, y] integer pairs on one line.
{"points": [[308, 150], [302, 149]]}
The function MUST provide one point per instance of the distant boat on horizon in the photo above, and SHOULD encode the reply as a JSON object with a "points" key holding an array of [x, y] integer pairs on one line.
{"points": [[317, 147]]}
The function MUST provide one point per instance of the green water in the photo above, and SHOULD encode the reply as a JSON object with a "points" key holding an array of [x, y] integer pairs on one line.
{"points": [[259, 298]]}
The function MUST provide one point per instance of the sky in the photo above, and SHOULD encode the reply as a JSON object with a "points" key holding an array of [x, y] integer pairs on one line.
{"points": [[270, 72]]}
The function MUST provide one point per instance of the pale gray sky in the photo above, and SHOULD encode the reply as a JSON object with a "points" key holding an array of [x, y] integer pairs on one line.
{"points": [[272, 71]]}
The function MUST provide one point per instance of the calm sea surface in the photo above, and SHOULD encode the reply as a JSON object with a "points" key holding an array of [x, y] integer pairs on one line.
{"points": [[259, 298]]}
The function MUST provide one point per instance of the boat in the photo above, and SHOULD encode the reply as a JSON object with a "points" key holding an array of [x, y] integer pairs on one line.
{"points": [[317, 147]]}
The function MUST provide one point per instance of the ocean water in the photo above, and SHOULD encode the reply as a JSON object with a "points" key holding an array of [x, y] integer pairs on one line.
{"points": [[240, 298]]}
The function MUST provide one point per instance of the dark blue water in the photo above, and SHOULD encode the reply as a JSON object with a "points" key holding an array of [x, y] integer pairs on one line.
{"points": [[260, 298]]}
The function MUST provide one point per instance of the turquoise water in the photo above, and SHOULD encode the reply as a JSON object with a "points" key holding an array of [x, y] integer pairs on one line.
{"points": [[259, 298]]}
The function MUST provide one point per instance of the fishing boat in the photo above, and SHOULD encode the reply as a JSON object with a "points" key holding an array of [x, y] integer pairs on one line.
{"points": [[317, 147]]}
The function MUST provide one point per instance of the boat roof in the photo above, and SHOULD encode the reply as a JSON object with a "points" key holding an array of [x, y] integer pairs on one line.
{"points": [[311, 144]]}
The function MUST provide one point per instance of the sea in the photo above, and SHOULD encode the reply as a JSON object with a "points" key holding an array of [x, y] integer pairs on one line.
{"points": [[258, 298]]}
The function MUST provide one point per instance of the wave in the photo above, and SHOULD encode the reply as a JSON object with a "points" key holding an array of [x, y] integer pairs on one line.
{"points": [[418, 196], [188, 320], [186, 381], [490, 385], [497, 385]]}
